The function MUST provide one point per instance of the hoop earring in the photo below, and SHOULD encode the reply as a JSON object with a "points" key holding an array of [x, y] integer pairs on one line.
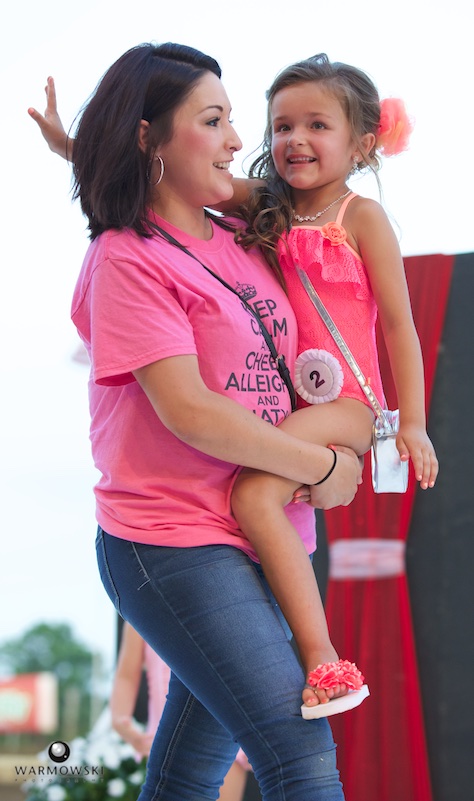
{"points": [[162, 170]]}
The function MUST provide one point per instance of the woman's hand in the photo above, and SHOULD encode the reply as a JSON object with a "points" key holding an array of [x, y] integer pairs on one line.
{"points": [[341, 486], [51, 126]]}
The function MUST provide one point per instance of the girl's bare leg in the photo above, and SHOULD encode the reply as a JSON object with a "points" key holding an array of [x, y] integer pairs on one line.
{"points": [[258, 502]]}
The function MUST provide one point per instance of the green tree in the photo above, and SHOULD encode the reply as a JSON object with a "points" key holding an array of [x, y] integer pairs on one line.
{"points": [[54, 648]]}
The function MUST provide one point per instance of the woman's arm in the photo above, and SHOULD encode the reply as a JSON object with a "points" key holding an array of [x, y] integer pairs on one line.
{"points": [[51, 126], [125, 691], [220, 427], [381, 255]]}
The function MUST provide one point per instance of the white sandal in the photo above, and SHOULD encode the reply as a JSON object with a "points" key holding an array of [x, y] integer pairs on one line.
{"points": [[336, 705]]}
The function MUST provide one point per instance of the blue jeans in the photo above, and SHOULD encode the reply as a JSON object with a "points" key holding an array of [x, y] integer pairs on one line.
{"points": [[236, 680]]}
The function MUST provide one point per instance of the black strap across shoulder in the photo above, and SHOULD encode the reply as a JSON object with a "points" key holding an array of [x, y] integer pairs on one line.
{"points": [[279, 359]]}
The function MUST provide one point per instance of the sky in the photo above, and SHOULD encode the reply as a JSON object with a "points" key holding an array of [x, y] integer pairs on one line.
{"points": [[420, 51]]}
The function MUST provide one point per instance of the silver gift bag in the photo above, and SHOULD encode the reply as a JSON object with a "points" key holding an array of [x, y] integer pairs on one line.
{"points": [[389, 473]]}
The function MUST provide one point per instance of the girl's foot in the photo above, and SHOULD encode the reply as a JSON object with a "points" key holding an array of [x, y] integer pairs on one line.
{"points": [[331, 680]]}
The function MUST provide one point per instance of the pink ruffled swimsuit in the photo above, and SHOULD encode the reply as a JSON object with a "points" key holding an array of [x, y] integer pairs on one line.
{"points": [[340, 279]]}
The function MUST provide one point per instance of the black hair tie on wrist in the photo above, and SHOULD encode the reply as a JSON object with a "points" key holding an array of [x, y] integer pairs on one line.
{"points": [[330, 469]]}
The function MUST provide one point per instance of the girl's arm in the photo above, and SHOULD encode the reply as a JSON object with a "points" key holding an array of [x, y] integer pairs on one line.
{"points": [[125, 690], [51, 126], [220, 427], [381, 255], [242, 188]]}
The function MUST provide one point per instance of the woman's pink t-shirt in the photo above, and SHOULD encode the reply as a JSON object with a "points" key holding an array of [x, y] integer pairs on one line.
{"points": [[138, 301]]}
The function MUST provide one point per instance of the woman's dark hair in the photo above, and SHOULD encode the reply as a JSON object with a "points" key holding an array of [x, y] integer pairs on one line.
{"points": [[147, 82], [270, 208]]}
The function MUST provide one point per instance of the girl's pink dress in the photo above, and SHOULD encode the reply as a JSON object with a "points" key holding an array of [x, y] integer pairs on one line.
{"points": [[340, 279]]}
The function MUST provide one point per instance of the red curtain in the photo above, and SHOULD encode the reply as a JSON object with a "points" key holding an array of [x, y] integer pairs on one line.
{"points": [[381, 745]]}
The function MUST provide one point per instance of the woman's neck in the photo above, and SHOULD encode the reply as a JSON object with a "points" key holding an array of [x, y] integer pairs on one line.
{"points": [[192, 221]]}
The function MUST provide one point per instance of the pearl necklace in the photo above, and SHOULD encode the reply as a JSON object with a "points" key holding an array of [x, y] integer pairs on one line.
{"points": [[308, 218]]}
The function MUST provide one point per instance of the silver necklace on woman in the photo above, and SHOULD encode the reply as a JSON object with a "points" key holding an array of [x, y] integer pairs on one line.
{"points": [[309, 218]]}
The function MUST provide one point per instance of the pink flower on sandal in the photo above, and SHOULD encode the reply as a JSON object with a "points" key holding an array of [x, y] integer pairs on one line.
{"points": [[331, 674]]}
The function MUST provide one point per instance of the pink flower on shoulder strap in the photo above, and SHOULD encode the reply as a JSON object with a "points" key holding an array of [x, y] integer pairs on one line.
{"points": [[394, 128], [334, 232]]}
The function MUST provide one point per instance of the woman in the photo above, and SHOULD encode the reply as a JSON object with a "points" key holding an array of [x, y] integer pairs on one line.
{"points": [[182, 390]]}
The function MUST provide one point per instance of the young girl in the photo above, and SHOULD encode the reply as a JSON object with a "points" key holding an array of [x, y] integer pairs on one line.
{"points": [[326, 123]]}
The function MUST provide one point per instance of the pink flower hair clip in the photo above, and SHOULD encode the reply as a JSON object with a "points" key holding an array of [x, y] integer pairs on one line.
{"points": [[395, 127], [330, 675]]}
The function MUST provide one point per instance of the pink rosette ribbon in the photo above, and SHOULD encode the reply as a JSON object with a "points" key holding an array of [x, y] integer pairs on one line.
{"points": [[318, 376], [331, 674], [394, 128]]}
